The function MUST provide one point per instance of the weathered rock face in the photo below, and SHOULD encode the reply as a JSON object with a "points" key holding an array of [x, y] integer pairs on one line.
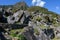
{"points": [[58, 35], [49, 33], [21, 16], [29, 33], [58, 29], [41, 35], [8, 12], [1, 35], [3, 15], [15, 17], [0, 9], [25, 18], [2, 18], [5, 29], [30, 23]]}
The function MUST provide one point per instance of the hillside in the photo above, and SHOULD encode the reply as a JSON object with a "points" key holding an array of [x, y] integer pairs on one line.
{"points": [[24, 6], [29, 23], [19, 5]]}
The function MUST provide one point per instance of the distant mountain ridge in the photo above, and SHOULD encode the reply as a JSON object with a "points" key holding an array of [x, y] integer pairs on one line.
{"points": [[24, 6], [15, 6], [5, 6]]}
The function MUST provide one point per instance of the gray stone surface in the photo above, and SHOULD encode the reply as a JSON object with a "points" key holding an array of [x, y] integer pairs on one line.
{"points": [[16, 17], [42, 35], [29, 33], [58, 35]]}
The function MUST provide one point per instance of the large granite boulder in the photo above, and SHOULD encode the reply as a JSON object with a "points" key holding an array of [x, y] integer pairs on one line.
{"points": [[15, 17], [58, 35]]}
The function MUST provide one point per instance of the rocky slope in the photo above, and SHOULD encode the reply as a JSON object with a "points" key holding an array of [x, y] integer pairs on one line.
{"points": [[41, 23]]}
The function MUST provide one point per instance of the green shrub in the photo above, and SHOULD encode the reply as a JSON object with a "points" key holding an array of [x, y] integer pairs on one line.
{"points": [[36, 31], [21, 37]]}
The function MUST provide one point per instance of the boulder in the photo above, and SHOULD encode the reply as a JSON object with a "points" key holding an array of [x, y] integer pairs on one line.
{"points": [[58, 35]]}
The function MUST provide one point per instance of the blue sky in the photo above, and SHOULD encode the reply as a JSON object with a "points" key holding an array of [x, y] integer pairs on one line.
{"points": [[52, 5]]}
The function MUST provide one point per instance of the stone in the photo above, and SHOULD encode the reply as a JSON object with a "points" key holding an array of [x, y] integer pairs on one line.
{"points": [[9, 10], [49, 33], [58, 35], [16, 17], [27, 19], [15, 38], [38, 23], [11, 20], [29, 33], [1, 9], [58, 29], [30, 23]]}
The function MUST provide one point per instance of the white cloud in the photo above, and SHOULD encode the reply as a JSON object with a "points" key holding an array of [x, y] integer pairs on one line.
{"points": [[38, 0], [38, 3], [42, 3], [34, 1], [57, 7]]}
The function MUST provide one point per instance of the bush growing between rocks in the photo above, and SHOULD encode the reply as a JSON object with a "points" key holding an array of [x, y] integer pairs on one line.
{"points": [[36, 31], [21, 37]]}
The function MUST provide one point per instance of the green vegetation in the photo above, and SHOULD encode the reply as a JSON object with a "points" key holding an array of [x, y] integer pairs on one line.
{"points": [[42, 10], [38, 18], [34, 8], [42, 26], [55, 39], [21, 37], [36, 31], [24, 6], [13, 33], [20, 6]]}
